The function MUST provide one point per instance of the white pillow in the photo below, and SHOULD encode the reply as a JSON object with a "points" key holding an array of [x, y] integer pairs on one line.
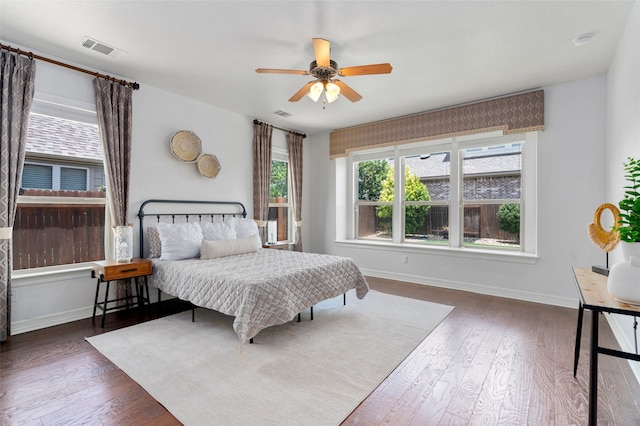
{"points": [[220, 248], [218, 230], [180, 240], [246, 228]]}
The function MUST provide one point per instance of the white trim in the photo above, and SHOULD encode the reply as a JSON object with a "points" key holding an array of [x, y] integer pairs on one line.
{"points": [[41, 199], [476, 288], [24, 277], [623, 341], [31, 324], [280, 154], [65, 108], [424, 249]]}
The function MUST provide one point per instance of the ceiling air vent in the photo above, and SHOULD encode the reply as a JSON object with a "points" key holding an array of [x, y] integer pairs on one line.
{"points": [[100, 47], [282, 113]]}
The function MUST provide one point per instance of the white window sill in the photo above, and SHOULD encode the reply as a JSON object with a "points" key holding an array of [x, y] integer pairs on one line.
{"points": [[83, 268], [484, 254]]}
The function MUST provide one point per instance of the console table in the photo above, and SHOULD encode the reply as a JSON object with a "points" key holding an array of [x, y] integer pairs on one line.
{"points": [[592, 289]]}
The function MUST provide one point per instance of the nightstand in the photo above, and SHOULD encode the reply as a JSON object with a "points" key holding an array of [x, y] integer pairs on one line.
{"points": [[106, 271]]}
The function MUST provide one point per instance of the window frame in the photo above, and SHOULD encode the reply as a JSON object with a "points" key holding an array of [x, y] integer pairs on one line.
{"points": [[64, 109], [489, 143], [528, 198]]}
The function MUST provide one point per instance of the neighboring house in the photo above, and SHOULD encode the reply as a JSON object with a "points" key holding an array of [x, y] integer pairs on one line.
{"points": [[490, 174], [62, 155]]}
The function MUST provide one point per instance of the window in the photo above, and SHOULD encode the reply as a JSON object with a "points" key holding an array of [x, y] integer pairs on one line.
{"points": [[374, 202], [426, 201], [60, 217], [466, 192], [280, 219], [52, 176], [491, 196]]}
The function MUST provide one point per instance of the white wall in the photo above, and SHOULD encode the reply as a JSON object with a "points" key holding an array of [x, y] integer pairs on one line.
{"points": [[571, 185], [623, 139], [156, 173], [48, 299]]}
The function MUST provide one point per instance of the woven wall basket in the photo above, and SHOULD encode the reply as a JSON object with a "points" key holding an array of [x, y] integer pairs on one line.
{"points": [[186, 146], [208, 165]]}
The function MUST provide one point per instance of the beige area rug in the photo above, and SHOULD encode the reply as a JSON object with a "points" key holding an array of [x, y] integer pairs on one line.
{"points": [[308, 373]]}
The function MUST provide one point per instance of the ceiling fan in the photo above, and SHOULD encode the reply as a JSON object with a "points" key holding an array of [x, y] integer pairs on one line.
{"points": [[325, 70]]}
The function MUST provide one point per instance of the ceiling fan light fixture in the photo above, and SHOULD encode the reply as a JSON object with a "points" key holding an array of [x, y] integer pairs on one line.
{"points": [[315, 91], [325, 71], [332, 91]]}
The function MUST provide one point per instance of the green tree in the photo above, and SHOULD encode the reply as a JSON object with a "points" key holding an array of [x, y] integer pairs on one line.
{"points": [[414, 191], [278, 187], [509, 218], [370, 176]]}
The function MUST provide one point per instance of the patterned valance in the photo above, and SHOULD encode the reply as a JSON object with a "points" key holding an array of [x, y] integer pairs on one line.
{"points": [[512, 114]]}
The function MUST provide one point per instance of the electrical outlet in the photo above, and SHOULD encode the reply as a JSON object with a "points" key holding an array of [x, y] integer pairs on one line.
{"points": [[405, 258]]}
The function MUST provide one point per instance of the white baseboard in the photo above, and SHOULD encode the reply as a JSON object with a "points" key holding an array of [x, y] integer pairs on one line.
{"points": [[625, 344], [31, 324], [477, 288]]}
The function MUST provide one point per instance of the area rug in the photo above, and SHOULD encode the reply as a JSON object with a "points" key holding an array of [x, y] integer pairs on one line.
{"points": [[299, 373]]}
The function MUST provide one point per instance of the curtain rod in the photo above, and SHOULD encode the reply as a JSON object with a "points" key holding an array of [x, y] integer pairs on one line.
{"points": [[134, 85], [279, 128]]}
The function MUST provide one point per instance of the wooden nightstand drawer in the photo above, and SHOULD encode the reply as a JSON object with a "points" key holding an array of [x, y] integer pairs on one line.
{"points": [[278, 246], [109, 270]]}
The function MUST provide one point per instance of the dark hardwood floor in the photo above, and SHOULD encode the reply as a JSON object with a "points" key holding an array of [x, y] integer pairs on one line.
{"points": [[491, 361]]}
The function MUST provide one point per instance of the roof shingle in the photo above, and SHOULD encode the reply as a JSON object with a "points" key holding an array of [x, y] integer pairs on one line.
{"points": [[61, 137]]}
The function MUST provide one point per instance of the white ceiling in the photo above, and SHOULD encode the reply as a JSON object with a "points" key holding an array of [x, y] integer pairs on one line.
{"points": [[443, 53]]}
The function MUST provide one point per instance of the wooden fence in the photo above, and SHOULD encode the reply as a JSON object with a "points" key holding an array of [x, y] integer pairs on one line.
{"points": [[58, 234], [480, 221]]}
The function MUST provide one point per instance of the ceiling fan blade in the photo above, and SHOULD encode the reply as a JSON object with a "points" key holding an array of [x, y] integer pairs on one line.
{"points": [[365, 70], [322, 49], [277, 71], [300, 93], [347, 91]]}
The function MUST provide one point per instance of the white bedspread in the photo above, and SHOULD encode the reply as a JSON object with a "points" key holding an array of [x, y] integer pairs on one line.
{"points": [[259, 289]]}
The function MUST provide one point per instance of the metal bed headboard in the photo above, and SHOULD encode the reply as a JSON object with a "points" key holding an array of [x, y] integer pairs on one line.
{"points": [[235, 208]]}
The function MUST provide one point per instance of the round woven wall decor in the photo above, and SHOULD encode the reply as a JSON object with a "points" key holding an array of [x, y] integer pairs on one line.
{"points": [[208, 165], [186, 146]]}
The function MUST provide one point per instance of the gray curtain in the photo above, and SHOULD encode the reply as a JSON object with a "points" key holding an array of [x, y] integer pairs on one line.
{"points": [[17, 75], [261, 175], [294, 143], [113, 105]]}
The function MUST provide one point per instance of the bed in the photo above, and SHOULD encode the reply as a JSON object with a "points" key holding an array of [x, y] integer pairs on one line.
{"points": [[231, 273]]}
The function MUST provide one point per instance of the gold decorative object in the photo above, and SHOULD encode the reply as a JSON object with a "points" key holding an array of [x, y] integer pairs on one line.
{"points": [[606, 240]]}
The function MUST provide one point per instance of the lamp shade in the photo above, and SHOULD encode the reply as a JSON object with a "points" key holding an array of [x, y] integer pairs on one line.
{"points": [[315, 91], [332, 91]]}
